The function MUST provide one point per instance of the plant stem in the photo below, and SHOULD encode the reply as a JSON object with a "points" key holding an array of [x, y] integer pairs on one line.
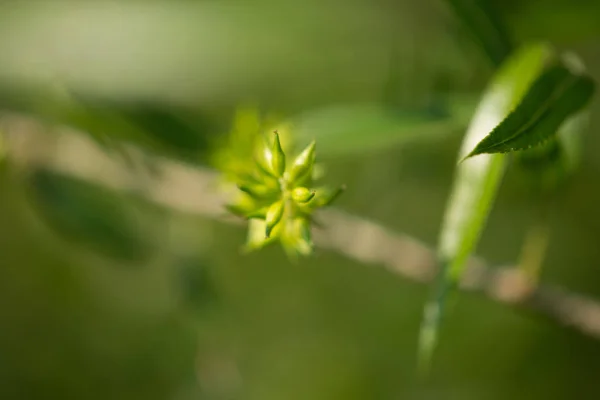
{"points": [[535, 246]]}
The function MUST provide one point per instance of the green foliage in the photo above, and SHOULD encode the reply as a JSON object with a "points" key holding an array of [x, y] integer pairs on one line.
{"points": [[475, 185], [90, 216], [480, 17], [155, 126], [535, 106], [558, 93], [164, 75]]}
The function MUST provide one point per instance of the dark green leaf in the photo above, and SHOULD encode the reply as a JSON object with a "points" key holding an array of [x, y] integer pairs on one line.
{"points": [[556, 95], [167, 129], [485, 27], [89, 215]]}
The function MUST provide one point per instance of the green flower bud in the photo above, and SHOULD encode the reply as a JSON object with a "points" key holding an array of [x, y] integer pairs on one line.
{"points": [[247, 178], [276, 194], [264, 171], [263, 157], [258, 191], [277, 157], [273, 156], [236, 209], [260, 213], [303, 163], [273, 216], [326, 196], [302, 194]]}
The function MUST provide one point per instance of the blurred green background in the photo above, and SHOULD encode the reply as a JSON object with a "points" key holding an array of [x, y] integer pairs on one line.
{"points": [[106, 295]]}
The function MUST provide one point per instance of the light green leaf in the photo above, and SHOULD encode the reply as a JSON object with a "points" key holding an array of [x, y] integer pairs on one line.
{"points": [[475, 184], [346, 129], [555, 96]]}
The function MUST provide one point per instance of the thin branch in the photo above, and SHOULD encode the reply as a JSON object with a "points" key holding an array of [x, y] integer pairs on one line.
{"points": [[192, 190]]}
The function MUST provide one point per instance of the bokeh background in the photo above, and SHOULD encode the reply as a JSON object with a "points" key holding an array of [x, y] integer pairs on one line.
{"points": [[105, 295]]}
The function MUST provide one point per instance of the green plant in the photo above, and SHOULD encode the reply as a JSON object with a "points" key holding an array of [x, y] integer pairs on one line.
{"points": [[534, 107], [276, 193], [531, 117]]}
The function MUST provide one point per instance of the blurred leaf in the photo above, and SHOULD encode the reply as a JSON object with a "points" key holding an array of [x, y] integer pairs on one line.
{"points": [[485, 27], [547, 167], [173, 130], [164, 128], [562, 22], [89, 215], [570, 140], [351, 129], [557, 94], [475, 185], [196, 284]]}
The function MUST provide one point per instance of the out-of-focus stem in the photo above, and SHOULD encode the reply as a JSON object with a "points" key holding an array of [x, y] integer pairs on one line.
{"points": [[535, 246]]}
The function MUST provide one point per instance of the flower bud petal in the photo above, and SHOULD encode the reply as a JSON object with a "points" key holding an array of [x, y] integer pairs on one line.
{"points": [[302, 194], [277, 157], [326, 196], [258, 191], [243, 205], [263, 157], [236, 209], [260, 213], [303, 163], [273, 216]]}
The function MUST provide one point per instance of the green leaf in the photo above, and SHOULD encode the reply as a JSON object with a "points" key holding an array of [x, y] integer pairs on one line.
{"points": [[555, 96], [475, 185], [90, 216], [485, 27], [158, 127]]}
